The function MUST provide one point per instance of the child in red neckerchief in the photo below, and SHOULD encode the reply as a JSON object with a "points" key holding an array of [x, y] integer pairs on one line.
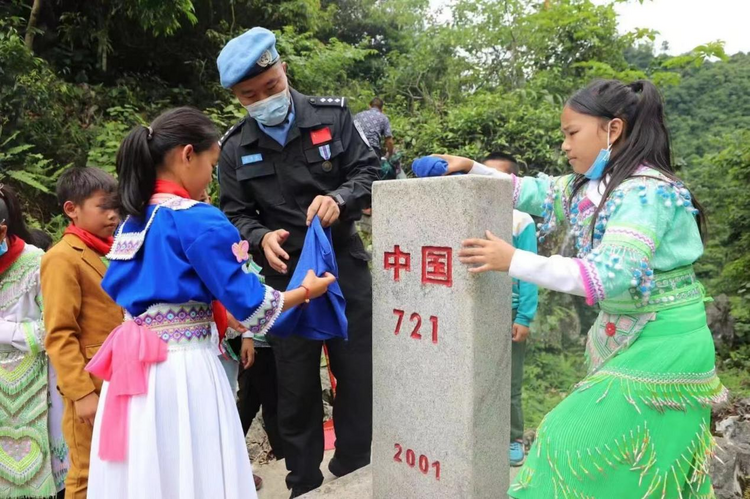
{"points": [[78, 314]]}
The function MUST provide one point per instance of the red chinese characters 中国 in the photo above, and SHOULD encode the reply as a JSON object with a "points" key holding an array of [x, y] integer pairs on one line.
{"points": [[397, 261], [437, 265]]}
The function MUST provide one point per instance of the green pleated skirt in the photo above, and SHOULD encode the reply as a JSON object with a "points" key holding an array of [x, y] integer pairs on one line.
{"points": [[639, 427]]}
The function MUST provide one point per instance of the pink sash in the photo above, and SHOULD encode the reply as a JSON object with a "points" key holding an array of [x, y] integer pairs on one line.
{"points": [[123, 360]]}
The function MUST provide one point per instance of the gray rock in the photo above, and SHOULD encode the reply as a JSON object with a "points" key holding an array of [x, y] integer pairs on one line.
{"points": [[720, 320], [730, 468], [441, 341]]}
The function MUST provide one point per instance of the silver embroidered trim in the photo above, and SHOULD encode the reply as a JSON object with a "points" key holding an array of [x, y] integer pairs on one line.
{"points": [[127, 244]]}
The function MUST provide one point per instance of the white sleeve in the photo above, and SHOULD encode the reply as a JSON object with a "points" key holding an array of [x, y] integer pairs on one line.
{"points": [[557, 273], [480, 169], [20, 335]]}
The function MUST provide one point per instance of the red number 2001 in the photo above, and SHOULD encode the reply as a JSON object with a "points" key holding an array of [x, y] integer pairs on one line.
{"points": [[411, 461]]}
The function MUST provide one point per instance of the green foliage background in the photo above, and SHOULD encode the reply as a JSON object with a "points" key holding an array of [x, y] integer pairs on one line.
{"points": [[486, 75]]}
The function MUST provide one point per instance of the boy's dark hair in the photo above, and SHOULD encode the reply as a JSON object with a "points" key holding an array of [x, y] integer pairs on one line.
{"points": [[78, 183], [377, 102], [10, 211], [40, 239], [502, 156], [144, 148], [645, 139]]}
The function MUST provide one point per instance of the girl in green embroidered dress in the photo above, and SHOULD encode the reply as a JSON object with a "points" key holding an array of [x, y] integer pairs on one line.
{"points": [[33, 455], [638, 424]]}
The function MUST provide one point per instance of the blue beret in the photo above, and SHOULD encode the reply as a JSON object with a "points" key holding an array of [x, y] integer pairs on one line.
{"points": [[246, 56]]}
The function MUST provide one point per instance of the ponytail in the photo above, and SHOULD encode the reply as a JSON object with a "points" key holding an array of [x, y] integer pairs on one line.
{"points": [[143, 151], [136, 172], [645, 140], [10, 211]]}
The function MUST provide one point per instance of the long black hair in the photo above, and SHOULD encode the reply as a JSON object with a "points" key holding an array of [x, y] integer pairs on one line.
{"points": [[645, 138], [143, 151], [10, 211]]}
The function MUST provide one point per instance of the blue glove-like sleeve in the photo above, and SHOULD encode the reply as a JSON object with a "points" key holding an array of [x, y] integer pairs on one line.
{"points": [[429, 166]]}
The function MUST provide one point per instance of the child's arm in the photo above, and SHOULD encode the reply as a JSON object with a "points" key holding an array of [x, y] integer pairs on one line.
{"points": [[62, 304], [20, 330], [219, 266], [637, 222], [528, 293], [24, 335], [533, 195]]}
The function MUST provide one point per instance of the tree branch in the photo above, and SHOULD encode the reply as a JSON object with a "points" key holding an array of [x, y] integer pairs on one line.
{"points": [[31, 26]]}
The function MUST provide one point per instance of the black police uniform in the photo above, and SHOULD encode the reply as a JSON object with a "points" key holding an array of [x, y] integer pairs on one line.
{"points": [[265, 187]]}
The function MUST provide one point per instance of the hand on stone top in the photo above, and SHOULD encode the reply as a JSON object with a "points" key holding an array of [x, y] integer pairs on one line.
{"points": [[456, 164], [490, 254]]}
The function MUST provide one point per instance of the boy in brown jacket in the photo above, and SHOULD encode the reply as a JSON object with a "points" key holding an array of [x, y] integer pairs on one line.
{"points": [[78, 314]]}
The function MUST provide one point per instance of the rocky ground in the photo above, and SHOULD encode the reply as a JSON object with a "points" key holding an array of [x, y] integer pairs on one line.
{"points": [[730, 469]]}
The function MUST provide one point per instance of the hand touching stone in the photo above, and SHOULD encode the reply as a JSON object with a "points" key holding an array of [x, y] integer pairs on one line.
{"points": [[490, 254]]}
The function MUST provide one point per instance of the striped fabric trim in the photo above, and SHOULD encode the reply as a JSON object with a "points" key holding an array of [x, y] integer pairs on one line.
{"points": [[29, 331], [591, 281], [516, 188], [265, 315], [632, 234]]}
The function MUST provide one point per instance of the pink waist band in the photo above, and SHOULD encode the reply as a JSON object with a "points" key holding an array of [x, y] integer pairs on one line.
{"points": [[123, 360]]}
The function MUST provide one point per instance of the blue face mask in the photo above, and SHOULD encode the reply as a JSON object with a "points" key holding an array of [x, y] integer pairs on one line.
{"points": [[4, 247], [272, 110], [597, 168]]}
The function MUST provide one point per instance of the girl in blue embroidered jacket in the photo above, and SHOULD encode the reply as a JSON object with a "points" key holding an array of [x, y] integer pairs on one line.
{"points": [[171, 258]]}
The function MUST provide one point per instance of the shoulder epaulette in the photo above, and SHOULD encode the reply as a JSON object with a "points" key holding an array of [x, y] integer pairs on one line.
{"points": [[231, 131], [328, 101]]}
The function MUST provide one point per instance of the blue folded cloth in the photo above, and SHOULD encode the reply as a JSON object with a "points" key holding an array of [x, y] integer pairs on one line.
{"points": [[430, 166], [325, 317]]}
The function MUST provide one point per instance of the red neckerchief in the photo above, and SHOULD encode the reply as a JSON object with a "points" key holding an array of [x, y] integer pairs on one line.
{"points": [[96, 243], [15, 248], [168, 187]]}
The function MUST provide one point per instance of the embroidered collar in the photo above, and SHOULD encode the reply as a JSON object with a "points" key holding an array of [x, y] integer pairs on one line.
{"points": [[127, 244]]}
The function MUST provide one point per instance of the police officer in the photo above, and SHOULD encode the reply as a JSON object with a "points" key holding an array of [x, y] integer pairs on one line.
{"points": [[292, 158]]}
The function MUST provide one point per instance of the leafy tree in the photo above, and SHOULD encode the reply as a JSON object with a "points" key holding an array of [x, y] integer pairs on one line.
{"points": [[76, 76]]}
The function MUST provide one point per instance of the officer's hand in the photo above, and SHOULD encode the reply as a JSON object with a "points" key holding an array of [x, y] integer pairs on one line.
{"points": [[271, 245], [326, 209]]}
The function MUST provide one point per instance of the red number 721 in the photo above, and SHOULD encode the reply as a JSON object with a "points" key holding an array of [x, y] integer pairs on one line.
{"points": [[415, 317]]}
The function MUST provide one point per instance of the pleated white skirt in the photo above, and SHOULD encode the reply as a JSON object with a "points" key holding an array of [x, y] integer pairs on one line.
{"points": [[185, 439]]}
